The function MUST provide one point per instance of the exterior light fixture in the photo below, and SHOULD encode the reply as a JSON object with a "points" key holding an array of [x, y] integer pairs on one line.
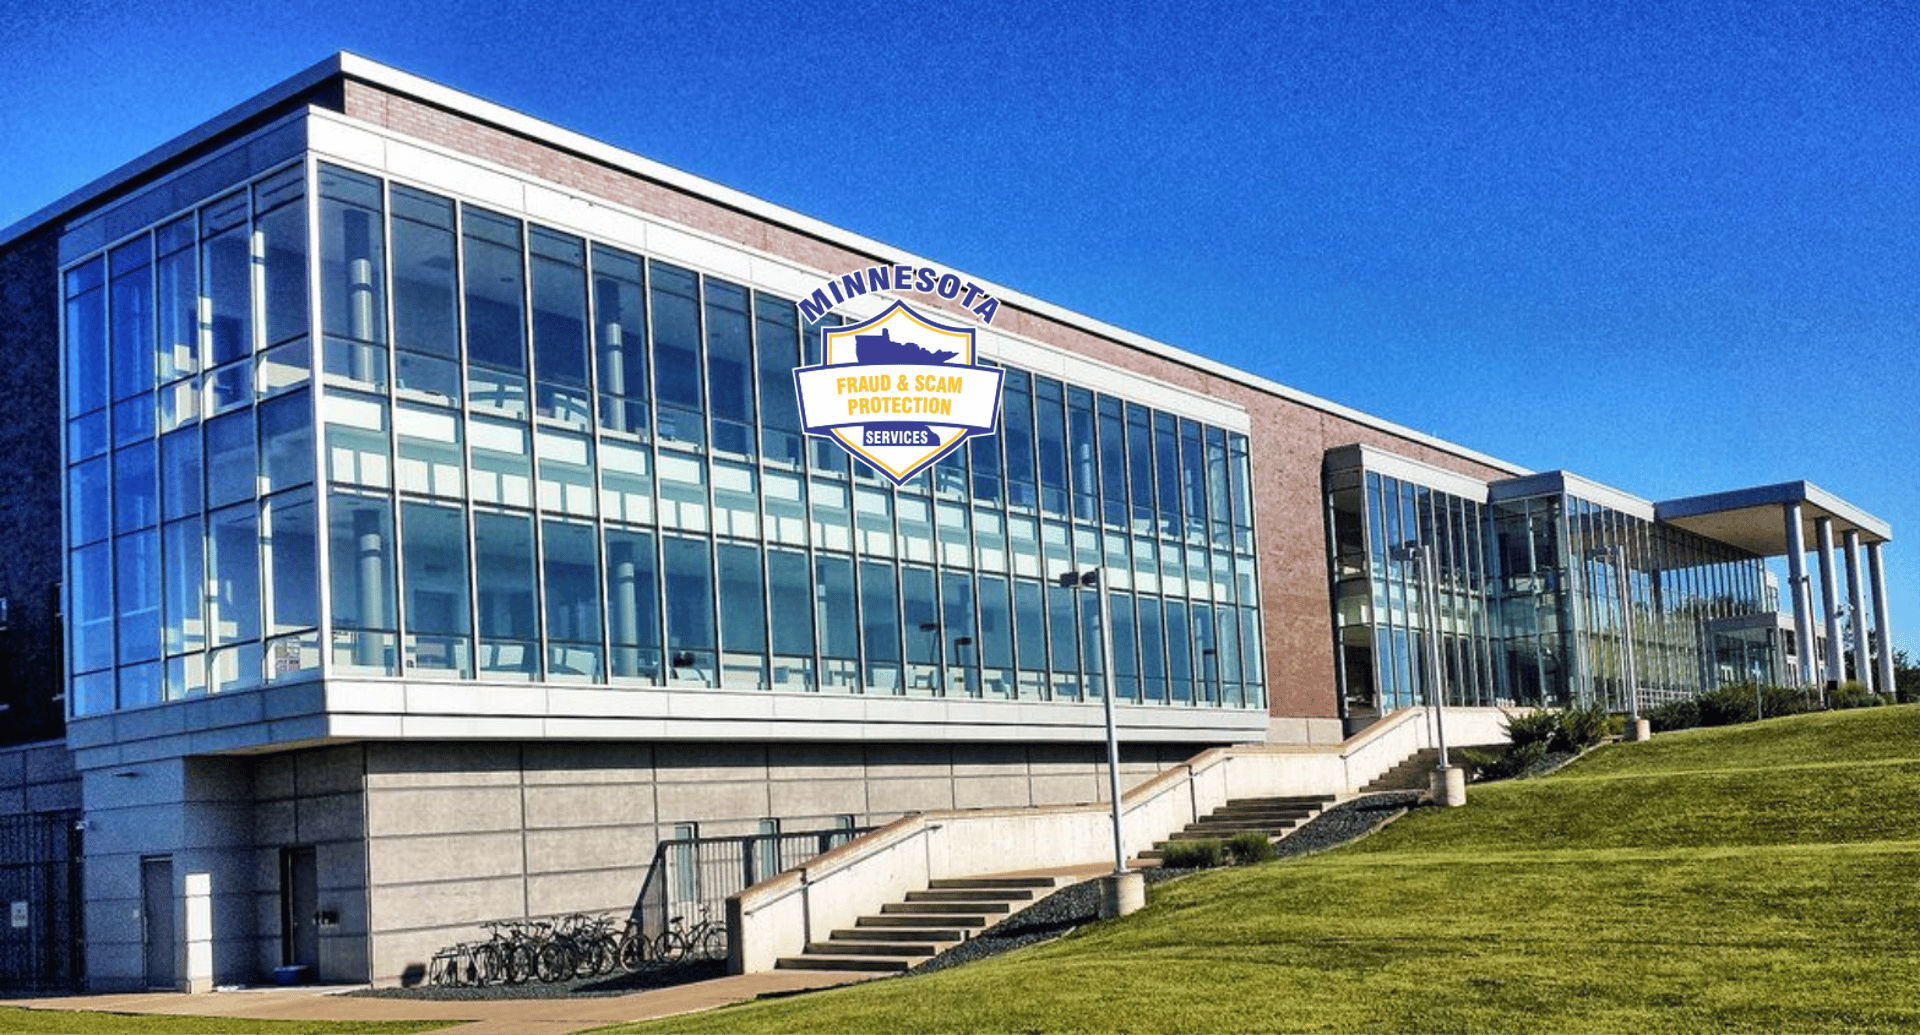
{"points": [[1123, 891], [1448, 784]]}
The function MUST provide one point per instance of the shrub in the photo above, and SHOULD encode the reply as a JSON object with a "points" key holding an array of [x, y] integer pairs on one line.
{"points": [[1673, 715], [1538, 726], [1250, 846], [1776, 701], [1499, 763], [1851, 694], [1730, 704], [1580, 728], [1191, 855]]}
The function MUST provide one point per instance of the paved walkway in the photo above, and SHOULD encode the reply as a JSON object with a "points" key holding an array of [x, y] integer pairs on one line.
{"points": [[464, 1017]]}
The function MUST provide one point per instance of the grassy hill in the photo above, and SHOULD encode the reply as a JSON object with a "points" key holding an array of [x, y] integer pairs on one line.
{"points": [[1755, 878]]}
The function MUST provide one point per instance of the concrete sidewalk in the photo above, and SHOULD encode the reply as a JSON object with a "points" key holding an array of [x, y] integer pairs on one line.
{"points": [[464, 1017]]}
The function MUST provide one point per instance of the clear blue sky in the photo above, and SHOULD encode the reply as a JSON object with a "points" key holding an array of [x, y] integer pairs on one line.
{"points": [[1673, 247]]}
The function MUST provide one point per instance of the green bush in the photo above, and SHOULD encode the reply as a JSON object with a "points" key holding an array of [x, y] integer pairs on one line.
{"points": [[1499, 763], [1851, 694], [1250, 846], [1191, 855], [1579, 728], [1538, 726], [1673, 715]]}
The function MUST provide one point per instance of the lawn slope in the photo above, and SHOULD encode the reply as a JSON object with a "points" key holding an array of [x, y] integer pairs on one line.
{"points": [[1758, 878]]}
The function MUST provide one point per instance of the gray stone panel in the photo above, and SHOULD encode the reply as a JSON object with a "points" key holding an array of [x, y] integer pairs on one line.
{"points": [[601, 891], [816, 761], [892, 797], [329, 770], [442, 810], [704, 762], [328, 817], [790, 799], [403, 907], [885, 761], [710, 802], [589, 848], [592, 805], [445, 857], [576, 763], [394, 765], [977, 792]]}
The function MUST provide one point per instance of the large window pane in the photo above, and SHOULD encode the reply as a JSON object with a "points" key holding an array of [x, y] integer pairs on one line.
{"points": [[226, 275], [86, 333], [730, 370], [286, 441], [360, 552], [834, 617], [503, 571], [558, 262], [880, 627], [777, 340], [233, 568], [136, 495], [790, 581], [183, 587], [676, 353], [743, 617], [1030, 624], [439, 622], [920, 623], [620, 342], [178, 307], [959, 636], [1016, 432], [231, 469], [133, 318], [995, 641], [1050, 424], [292, 560], [136, 586], [496, 312], [633, 604], [570, 576], [92, 601], [353, 256], [280, 223], [689, 596]]}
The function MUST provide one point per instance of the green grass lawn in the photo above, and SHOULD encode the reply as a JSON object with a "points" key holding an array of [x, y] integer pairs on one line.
{"points": [[61, 1022], [1758, 878]]}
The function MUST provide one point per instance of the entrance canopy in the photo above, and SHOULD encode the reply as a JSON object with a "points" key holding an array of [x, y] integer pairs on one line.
{"points": [[1754, 519]]}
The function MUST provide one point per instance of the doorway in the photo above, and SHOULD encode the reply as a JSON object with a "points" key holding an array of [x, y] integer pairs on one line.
{"points": [[159, 941], [299, 907]]}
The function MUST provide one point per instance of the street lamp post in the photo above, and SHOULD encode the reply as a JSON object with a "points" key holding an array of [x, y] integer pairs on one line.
{"points": [[1637, 727], [1123, 890], [1448, 784]]}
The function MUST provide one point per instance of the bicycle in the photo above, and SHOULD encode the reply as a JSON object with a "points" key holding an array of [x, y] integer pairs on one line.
{"points": [[703, 941]]}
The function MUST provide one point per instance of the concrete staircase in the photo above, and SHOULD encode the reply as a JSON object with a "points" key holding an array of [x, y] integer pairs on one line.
{"points": [[1274, 817], [929, 922], [1410, 775]]}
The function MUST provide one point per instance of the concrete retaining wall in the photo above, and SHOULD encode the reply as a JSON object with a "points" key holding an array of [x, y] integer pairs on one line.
{"points": [[779, 916]]}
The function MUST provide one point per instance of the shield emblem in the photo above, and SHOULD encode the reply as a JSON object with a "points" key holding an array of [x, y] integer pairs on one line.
{"points": [[899, 391]]}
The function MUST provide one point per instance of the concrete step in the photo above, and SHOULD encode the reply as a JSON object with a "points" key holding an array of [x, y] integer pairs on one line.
{"points": [[928, 933], [838, 947], [922, 920], [1298, 799], [1265, 819], [959, 883], [943, 908], [972, 895], [884, 964]]}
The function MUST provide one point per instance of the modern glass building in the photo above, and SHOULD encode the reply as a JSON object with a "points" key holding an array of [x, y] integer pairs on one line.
{"points": [[418, 530]]}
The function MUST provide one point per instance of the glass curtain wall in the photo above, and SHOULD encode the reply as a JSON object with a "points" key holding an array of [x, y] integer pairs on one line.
{"points": [[522, 455]]}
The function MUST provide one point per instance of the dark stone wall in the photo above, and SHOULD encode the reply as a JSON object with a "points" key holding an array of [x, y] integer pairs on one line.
{"points": [[30, 645]]}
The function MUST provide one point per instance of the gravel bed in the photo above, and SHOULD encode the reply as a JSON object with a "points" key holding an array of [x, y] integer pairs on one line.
{"points": [[1060, 913], [606, 984]]}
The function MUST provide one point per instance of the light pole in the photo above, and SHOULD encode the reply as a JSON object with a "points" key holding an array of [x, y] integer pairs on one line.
{"points": [[1123, 890], [1637, 728], [1448, 784]]}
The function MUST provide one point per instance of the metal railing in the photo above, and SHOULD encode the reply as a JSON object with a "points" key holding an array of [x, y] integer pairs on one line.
{"points": [[40, 936], [691, 878]]}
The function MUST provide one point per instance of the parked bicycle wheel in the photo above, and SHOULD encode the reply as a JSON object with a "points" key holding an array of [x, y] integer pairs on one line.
{"points": [[636, 950], [670, 947], [713, 944], [556, 963], [519, 962]]}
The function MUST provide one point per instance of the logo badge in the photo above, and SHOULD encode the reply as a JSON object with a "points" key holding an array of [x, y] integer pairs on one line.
{"points": [[899, 391]]}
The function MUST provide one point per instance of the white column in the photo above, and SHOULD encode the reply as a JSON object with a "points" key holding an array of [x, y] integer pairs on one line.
{"points": [[1797, 590], [1829, 597], [1856, 608], [1883, 626]]}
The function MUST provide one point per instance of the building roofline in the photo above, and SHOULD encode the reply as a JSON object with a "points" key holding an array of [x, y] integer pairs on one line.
{"points": [[352, 66]]}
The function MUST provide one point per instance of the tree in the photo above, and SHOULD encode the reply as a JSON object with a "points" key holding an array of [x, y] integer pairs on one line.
{"points": [[1906, 678]]}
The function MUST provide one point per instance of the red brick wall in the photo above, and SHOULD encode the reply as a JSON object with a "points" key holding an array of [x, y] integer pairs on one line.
{"points": [[1288, 439]]}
